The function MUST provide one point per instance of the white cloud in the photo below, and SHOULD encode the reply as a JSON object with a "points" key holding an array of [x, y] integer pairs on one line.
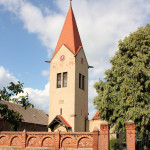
{"points": [[92, 93], [6, 77], [40, 98], [11, 5], [101, 24]]}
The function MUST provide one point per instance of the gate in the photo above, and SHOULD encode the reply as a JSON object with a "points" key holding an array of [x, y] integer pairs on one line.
{"points": [[117, 141]]}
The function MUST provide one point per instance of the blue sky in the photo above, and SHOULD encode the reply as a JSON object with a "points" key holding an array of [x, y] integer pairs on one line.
{"points": [[29, 31]]}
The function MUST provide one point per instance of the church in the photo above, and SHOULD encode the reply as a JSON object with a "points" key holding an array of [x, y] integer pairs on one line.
{"points": [[68, 100]]}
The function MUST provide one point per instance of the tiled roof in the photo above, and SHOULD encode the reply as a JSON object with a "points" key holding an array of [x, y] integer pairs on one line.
{"points": [[70, 35], [30, 115], [96, 117], [64, 121], [59, 119]]}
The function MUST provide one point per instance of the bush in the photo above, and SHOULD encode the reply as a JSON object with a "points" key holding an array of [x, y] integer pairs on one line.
{"points": [[114, 144]]}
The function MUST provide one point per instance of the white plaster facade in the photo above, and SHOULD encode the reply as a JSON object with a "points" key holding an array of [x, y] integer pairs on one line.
{"points": [[71, 99]]}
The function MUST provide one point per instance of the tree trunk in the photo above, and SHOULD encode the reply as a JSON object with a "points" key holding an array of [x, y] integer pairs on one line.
{"points": [[120, 140], [145, 142]]}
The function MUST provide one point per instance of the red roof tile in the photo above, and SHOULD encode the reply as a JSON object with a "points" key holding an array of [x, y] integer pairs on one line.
{"points": [[64, 121], [70, 35], [96, 117]]}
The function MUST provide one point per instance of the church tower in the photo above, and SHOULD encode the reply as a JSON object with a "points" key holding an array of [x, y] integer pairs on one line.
{"points": [[68, 102]]}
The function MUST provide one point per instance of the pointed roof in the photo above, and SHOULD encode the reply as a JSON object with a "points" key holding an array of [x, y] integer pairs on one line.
{"points": [[96, 117], [69, 35], [64, 121], [59, 119]]}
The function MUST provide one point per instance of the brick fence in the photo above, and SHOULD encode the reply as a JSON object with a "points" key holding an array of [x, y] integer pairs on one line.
{"points": [[130, 135], [48, 140], [96, 140]]}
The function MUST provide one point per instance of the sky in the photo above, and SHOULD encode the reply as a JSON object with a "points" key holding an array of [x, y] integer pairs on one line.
{"points": [[30, 29]]}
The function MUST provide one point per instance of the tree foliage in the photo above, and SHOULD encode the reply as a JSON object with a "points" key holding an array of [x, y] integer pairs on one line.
{"points": [[11, 94], [125, 93]]}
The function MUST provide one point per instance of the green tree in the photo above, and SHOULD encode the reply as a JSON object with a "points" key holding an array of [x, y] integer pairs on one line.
{"points": [[125, 93], [11, 93]]}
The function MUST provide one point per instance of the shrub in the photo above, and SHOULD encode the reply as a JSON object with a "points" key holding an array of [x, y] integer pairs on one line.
{"points": [[114, 144]]}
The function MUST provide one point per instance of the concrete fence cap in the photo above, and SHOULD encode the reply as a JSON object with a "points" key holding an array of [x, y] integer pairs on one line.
{"points": [[104, 122], [130, 121], [95, 129]]}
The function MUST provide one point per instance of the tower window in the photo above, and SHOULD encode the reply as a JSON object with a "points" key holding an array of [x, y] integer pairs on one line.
{"points": [[80, 77], [60, 111], [81, 81], [83, 78], [59, 80], [65, 79]]}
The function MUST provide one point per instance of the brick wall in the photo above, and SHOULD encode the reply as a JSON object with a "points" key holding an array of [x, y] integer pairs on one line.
{"points": [[49, 140], [96, 140], [130, 135], [4, 126], [104, 137]]}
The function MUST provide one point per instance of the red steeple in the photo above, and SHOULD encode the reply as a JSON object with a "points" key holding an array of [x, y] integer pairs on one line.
{"points": [[70, 35]]}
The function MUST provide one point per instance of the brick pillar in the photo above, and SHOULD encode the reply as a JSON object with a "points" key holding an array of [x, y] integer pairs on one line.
{"points": [[95, 138], [57, 140], [24, 137], [130, 135], [104, 136]]}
